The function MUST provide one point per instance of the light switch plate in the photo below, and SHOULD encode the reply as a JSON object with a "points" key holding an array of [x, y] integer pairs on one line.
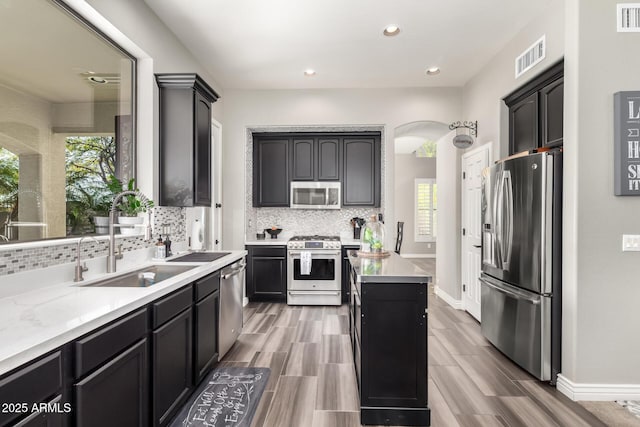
{"points": [[630, 242]]}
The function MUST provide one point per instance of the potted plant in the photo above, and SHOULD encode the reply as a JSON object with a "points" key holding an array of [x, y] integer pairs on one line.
{"points": [[129, 206]]}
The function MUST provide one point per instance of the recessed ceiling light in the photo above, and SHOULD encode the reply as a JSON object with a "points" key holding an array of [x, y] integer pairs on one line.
{"points": [[309, 72], [391, 30], [98, 80], [433, 71]]}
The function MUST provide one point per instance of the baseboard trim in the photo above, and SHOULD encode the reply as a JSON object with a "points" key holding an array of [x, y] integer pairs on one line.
{"points": [[455, 303], [600, 392], [418, 255]]}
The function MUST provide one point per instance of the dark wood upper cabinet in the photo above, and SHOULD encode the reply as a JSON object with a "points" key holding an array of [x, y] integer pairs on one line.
{"points": [[271, 172], [551, 113], [303, 165], [353, 158], [523, 125], [536, 111], [328, 159], [185, 140], [361, 171]]}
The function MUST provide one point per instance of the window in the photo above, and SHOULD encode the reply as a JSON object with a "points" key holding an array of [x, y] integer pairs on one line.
{"points": [[426, 202], [67, 121]]}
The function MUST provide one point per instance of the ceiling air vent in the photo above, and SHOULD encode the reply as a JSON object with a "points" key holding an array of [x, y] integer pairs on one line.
{"points": [[530, 57], [628, 17]]}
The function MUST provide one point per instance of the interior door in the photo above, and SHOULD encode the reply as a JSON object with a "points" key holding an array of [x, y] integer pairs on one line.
{"points": [[473, 164]]}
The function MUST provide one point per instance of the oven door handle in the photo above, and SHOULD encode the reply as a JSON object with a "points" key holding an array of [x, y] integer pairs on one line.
{"points": [[334, 293], [316, 252]]}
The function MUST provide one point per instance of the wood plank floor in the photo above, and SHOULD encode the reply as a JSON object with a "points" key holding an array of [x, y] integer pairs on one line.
{"points": [[313, 383]]}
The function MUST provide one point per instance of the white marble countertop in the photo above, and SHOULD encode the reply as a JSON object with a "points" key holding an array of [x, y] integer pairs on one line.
{"points": [[43, 318], [392, 269]]}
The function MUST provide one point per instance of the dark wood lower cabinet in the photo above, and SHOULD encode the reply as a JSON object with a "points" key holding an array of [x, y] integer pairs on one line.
{"points": [[267, 273], [172, 366], [206, 335], [346, 289], [117, 393], [389, 337], [55, 418]]}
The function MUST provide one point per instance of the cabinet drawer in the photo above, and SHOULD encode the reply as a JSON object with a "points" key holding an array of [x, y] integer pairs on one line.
{"points": [[101, 346], [35, 383], [207, 285], [170, 306], [270, 251]]}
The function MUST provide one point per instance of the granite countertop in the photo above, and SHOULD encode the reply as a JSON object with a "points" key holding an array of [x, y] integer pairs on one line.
{"points": [[37, 321], [392, 269]]}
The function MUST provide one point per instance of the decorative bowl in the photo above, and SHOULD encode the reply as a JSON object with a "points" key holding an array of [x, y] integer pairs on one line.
{"points": [[273, 232]]}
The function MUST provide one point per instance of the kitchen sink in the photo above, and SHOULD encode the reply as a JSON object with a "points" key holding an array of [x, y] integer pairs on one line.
{"points": [[143, 277]]}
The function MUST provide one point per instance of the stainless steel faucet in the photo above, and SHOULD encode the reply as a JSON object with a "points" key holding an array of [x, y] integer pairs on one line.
{"points": [[112, 256], [81, 268]]}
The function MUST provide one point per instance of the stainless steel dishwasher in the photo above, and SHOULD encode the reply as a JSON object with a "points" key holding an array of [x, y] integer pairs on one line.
{"points": [[231, 287]]}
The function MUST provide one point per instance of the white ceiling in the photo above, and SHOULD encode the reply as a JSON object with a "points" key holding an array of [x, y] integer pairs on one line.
{"points": [[44, 52], [268, 44]]}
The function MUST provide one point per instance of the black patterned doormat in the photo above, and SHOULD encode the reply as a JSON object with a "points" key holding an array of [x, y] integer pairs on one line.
{"points": [[228, 397]]}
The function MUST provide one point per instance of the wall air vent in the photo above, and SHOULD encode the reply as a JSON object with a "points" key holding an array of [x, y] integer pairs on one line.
{"points": [[530, 57], [628, 17]]}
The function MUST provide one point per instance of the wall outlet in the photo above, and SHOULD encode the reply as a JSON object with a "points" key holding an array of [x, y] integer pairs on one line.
{"points": [[630, 242]]}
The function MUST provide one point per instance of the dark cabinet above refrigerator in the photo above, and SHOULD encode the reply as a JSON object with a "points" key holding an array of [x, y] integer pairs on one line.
{"points": [[536, 112], [185, 140]]}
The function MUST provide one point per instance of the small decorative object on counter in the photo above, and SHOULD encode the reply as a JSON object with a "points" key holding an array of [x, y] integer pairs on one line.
{"points": [[167, 246], [357, 224], [273, 232], [161, 250], [372, 243], [197, 235], [260, 236]]}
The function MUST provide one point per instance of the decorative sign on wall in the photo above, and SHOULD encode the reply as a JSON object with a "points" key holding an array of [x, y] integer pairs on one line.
{"points": [[626, 107]]}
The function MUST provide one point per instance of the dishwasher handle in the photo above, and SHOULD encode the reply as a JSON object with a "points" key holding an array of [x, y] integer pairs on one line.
{"points": [[226, 274]]}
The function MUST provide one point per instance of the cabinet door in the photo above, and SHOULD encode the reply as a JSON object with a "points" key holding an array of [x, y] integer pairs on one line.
{"points": [[269, 277], [172, 367], [202, 148], [266, 273], [551, 111], [271, 173], [116, 394], [361, 172], [328, 159], [523, 125], [46, 419], [303, 168], [393, 317], [206, 334]]}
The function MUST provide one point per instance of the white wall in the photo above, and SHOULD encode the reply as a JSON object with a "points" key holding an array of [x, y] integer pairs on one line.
{"points": [[601, 342], [388, 107], [408, 168], [448, 226], [482, 95]]}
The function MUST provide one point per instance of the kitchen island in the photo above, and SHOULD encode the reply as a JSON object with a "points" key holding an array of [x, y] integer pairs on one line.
{"points": [[388, 327]]}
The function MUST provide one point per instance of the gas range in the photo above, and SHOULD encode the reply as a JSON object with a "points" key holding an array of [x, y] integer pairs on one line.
{"points": [[314, 242]]}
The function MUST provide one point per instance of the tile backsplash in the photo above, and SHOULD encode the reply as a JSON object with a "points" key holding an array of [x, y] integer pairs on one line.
{"points": [[311, 221], [55, 253]]}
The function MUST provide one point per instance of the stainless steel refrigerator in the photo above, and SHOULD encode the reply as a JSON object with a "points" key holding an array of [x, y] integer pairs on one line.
{"points": [[521, 260]]}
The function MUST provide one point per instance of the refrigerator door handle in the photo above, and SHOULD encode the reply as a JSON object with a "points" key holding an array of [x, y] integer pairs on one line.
{"points": [[497, 211], [511, 292], [507, 204]]}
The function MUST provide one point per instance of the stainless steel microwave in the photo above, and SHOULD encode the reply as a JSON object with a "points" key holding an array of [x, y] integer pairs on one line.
{"points": [[315, 195]]}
